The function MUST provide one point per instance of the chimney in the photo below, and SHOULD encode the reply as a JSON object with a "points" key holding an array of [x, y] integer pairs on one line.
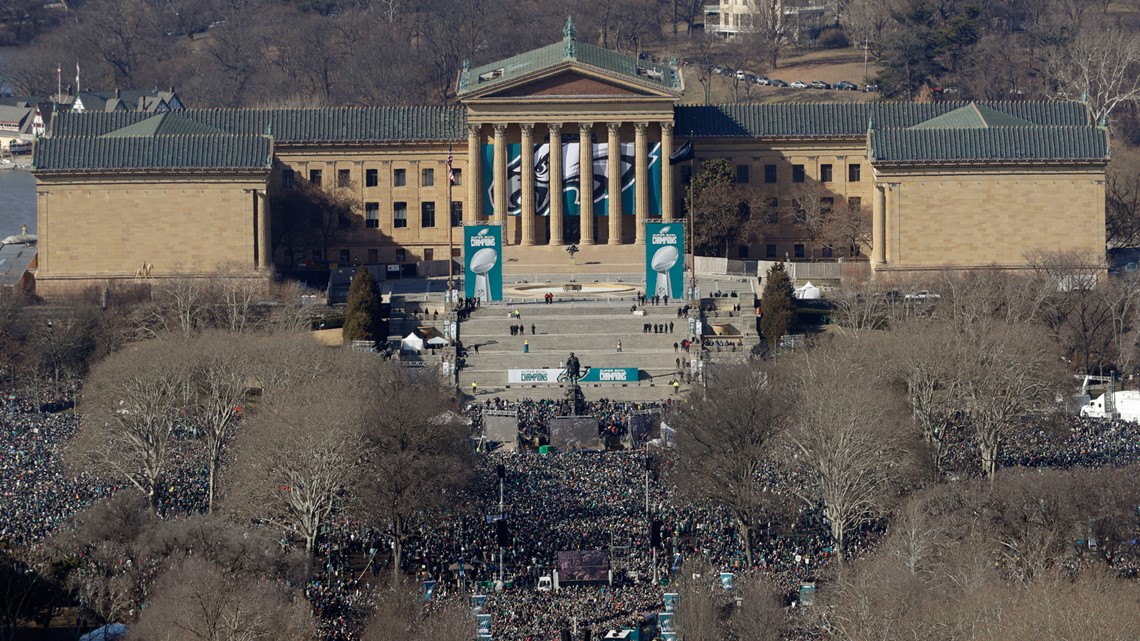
{"points": [[171, 88], [117, 95], [23, 230]]}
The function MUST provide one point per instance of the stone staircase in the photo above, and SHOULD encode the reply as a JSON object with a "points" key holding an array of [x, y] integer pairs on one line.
{"points": [[524, 262], [590, 329]]}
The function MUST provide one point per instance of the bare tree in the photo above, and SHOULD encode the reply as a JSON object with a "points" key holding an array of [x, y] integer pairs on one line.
{"points": [[295, 462], [132, 403], [1100, 64], [400, 613], [721, 456], [920, 360], [199, 600], [845, 445], [415, 461]]}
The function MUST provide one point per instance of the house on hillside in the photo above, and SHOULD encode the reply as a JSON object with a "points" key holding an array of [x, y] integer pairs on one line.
{"points": [[141, 100]]}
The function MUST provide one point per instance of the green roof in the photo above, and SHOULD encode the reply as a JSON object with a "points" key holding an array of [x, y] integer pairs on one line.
{"points": [[973, 116], [570, 51], [291, 126], [1011, 144], [198, 152], [852, 119], [165, 124]]}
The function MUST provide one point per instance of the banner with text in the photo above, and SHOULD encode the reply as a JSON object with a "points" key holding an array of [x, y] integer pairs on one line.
{"points": [[554, 375], [596, 187], [483, 262], [664, 259]]}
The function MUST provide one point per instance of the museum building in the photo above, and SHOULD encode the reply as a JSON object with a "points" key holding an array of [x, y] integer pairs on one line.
{"points": [[946, 185]]}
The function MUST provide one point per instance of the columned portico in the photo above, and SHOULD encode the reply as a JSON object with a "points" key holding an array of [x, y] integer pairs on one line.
{"points": [[500, 166], [585, 182], [641, 180], [474, 210], [555, 141], [527, 168], [613, 147]]}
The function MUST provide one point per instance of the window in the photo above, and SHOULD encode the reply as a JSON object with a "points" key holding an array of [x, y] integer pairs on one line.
{"points": [[372, 215], [456, 213], [853, 173], [399, 215], [429, 254], [427, 177], [287, 178], [371, 177], [457, 176], [315, 176], [799, 212], [401, 255], [742, 174], [373, 256], [772, 213], [427, 214], [798, 250], [343, 178], [826, 205], [742, 251], [797, 173], [345, 257], [825, 173], [855, 203], [828, 252], [456, 252], [770, 174], [769, 251], [400, 178]]}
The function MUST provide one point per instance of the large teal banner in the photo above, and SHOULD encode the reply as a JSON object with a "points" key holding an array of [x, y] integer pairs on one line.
{"points": [[591, 186], [483, 262], [664, 259]]}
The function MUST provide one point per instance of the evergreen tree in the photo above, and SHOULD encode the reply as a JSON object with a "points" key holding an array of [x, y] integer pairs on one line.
{"points": [[362, 314], [777, 305]]}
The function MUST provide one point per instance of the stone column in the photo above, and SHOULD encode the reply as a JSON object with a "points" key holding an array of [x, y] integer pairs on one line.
{"points": [[500, 188], [640, 180], [555, 141], [666, 171], [613, 168], [264, 239], [878, 228], [474, 176], [526, 161], [586, 183]]}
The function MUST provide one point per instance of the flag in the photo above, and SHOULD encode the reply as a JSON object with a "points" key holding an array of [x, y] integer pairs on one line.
{"points": [[76, 76], [683, 153], [450, 170]]}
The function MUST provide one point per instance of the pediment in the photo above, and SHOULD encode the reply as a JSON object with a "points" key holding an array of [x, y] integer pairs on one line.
{"points": [[570, 81]]}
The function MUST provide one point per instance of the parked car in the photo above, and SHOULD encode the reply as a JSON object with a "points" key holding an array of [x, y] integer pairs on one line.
{"points": [[819, 84], [776, 82], [761, 80], [871, 88], [796, 84], [848, 86], [741, 74], [923, 294]]}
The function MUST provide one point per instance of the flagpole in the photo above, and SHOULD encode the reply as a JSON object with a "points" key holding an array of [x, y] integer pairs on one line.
{"points": [[450, 228], [692, 219]]}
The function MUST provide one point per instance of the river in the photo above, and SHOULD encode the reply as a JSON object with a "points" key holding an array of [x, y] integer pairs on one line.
{"points": [[17, 201]]}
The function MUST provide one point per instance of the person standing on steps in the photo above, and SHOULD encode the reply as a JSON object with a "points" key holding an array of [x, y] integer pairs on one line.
{"points": [[526, 346], [619, 346], [474, 387], [532, 332], [676, 386]]}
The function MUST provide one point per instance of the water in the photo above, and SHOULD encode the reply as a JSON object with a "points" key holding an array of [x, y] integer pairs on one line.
{"points": [[17, 201]]}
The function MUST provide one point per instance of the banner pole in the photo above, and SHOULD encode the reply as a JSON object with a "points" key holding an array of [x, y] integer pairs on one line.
{"points": [[450, 231], [692, 220]]}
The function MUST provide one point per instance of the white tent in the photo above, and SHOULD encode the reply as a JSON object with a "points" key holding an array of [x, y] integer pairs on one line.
{"points": [[807, 292], [412, 342], [437, 341]]}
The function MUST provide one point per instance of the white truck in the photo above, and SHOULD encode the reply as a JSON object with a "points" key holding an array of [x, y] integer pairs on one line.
{"points": [[1126, 404]]}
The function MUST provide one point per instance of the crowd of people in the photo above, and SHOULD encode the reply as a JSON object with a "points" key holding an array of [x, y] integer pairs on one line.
{"points": [[556, 501]]}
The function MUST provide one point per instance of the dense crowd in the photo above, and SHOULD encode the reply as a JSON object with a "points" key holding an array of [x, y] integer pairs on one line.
{"points": [[558, 501], [615, 418]]}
